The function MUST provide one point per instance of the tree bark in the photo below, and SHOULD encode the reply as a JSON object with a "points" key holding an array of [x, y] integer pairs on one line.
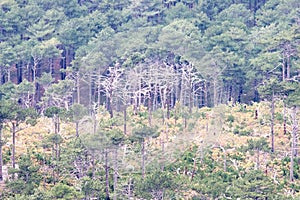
{"points": [[293, 145], [272, 123], [294, 130], [106, 174], [150, 110], [78, 87], [143, 158], [77, 128], [258, 158], [1, 159], [116, 173], [1, 76], [215, 91], [284, 119], [283, 69], [13, 144], [125, 120], [288, 66]]}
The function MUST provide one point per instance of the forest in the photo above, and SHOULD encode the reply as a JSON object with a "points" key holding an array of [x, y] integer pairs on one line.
{"points": [[149, 99]]}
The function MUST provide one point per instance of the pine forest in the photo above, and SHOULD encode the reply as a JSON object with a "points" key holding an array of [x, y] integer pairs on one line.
{"points": [[149, 99]]}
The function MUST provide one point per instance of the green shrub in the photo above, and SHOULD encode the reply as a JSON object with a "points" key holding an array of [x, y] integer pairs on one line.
{"points": [[230, 118]]}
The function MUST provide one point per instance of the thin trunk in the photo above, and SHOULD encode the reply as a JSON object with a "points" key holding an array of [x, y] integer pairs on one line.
{"points": [[258, 159], [99, 94], [90, 92], [205, 94], [181, 90], [13, 145], [295, 130], [168, 103], [93, 164], [194, 169], [1, 76], [125, 119], [272, 123], [143, 158], [44, 167], [225, 159], [8, 74], [129, 188], [283, 69], [155, 98], [19, 72], [54, 164], [288, 67], [140, 93], [293, 146], [111, 105], [190, 98], [1, 160], [77, 128], [149, 110], [78, 87], [292, 164], [284, 119], [106, 174], [215, 92], [163, 154], [116, 173]]}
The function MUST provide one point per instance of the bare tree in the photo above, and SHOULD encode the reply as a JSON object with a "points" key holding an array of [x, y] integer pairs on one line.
{"points": [[110, 84]]}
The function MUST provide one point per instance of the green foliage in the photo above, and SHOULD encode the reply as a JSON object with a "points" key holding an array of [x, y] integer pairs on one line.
{"points": [[157, 185], [240, 130], [63, 191], [258, 144], [216, 52], [143, 132], [91, 187], [230, 119], [54, 111], [254, 185], [28, 176]]}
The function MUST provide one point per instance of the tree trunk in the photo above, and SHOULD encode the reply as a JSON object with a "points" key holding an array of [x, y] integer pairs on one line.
{"points": [[190, 98], [125, 119], [8, 74], [90, 92], [19, 72], [143, 158], [292, 164], [194, 169], [106, 174], [13, 145], [272, 123], [168, 103], [215, 92], [129, 189], [288, 67], [1, 76], [225, 158], [284, 119], [150, 110], [294, 130], [293, 145], [77, 128], [116, 173], [283, 69], [78, 87], [1, 159]]}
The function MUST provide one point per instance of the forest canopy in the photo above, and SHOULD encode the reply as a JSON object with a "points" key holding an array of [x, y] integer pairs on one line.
{"points": [[102, 77]]}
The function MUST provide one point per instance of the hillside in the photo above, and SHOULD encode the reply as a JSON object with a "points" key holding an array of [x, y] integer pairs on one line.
{"points": [[215, 140], [139, 99]]}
